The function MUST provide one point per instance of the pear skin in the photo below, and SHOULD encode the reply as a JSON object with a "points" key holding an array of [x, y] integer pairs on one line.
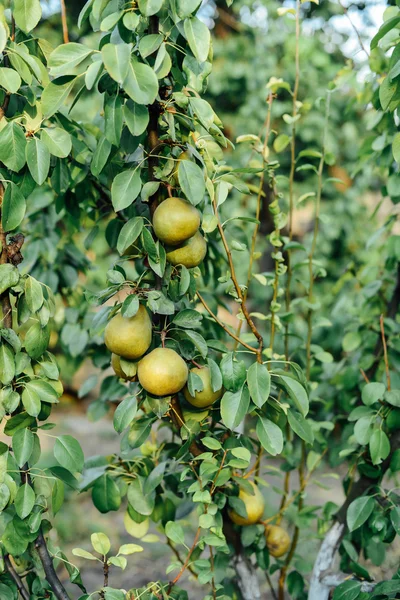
{"points": [[206, 397], [189, 254], [278, 540], [162, 372], [254, 506], [129, 337], [175, 220]]}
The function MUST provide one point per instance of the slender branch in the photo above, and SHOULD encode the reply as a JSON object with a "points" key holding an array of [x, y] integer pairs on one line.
{"points": [[17, 579], [315, 237], [213, 589], [267, 126], [355, 29], [224, 327], [292, 171], [385, 352], [64, 22], [178, 556], [189, 554], [237, 287]]}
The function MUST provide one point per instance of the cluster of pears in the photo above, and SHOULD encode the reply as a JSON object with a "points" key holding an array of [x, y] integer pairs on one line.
{"points": [[176, 223], [161, 372], [277, 539]]}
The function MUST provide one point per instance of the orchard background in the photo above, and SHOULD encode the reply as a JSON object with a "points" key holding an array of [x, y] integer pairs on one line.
{"points": [[200, 289]]}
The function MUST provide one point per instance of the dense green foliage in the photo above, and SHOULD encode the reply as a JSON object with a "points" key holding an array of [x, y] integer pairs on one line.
{"points": [[249, 346]]}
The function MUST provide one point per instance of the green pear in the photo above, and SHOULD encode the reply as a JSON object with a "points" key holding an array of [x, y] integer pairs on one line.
{"points": [[189, 254], [129, 337], [162, 372], [207, 396], [175, 220]]}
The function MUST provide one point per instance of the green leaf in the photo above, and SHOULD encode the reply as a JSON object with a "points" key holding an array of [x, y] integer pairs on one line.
{"points": [[38, 159], [351, 341], [33, 294], [297, 393], [4, 499], [233, 372], [270, 436], [36, 340], [349, 590], [12, 146], [141, 83], [387, 90], [27, 14], [23, 443], [127, 549], [7, 364], [300, 426], [191, 180], [386, 27], [150, 43], [379, 446], [9, 277], [66, 57], [395, 518], [150, 7], [136, 117], [198, 37], [113, 119], [57, 140], [116, 59], [100, 543], [129, 234], [83, 554], [125, 189], [45, 391], [100, 156], [106, 495], [57, 495], [14, 207], [31, 402], [24, 501], [259, 382], [359, 511], [55, 94], [393, 397], [10, 80], [175, 533], [281, 142], [372, 392], [68, 453], [234, 407], [125, 413], [396, 148], [142, 502]]}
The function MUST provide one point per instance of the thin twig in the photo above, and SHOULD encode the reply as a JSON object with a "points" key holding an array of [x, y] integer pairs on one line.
{"points": [[17, 579], [224, 327], [237, 287], [189, 554], [214, 591], [346, 12], [178, 556], [64, 22], [385, 352]]}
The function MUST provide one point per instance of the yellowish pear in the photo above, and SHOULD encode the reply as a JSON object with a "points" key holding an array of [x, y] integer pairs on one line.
{"points": [[278, 540], [119, 368], [189, 254], [162, 372], [175, 220], [206, 397], [129, 337], [254, 506]]}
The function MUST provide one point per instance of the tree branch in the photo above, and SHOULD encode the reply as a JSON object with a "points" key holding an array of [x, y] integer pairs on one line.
{"points": [[64, 22], [17, 579]]}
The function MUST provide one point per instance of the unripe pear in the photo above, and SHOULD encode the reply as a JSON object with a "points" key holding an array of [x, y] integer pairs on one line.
{"points": [[254, 506], [206, 397], [129, 337], [162, 372], [119, 371], [189, 254], [185, 155], [175, 220], [278, 540]]}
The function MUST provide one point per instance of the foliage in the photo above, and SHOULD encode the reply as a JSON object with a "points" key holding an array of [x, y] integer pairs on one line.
{"points": [[308, 372]]}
